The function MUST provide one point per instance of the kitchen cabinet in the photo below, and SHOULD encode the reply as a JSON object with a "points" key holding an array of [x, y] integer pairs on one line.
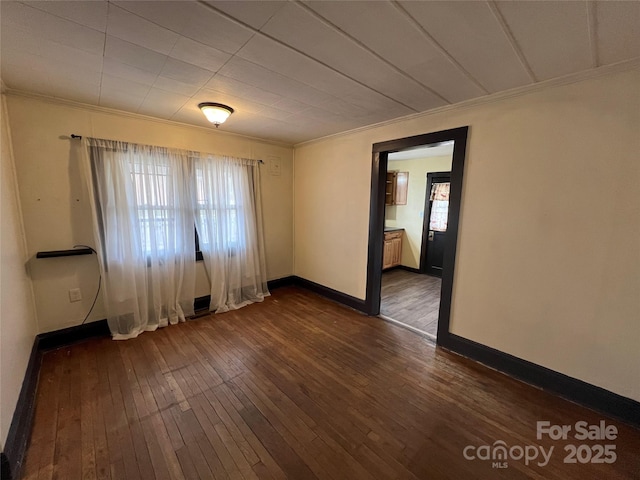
{"points": [[396, 188], [392, 249]]}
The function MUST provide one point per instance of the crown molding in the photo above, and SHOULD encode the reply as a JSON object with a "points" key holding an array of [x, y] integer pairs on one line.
{"points": [[487, 99], [122, 113], [619, 67]]}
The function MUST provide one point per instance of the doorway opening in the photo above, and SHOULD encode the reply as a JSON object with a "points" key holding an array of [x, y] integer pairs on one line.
{"points": [[413, 229], [415, 225]]}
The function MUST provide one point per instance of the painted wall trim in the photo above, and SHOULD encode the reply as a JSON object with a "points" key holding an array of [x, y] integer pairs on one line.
{"points": [[569, 388], [69, 336], [406, 268], [20, 429], [11, 459], [585, 394], [5, 470], [590, 396], [331, 294], [293, 280], [281, 282], [113, 111], [201, 304], [494, 97]]}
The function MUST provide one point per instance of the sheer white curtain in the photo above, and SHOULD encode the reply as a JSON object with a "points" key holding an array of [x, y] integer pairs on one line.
{"points": [[229, 223], [143, 201]]}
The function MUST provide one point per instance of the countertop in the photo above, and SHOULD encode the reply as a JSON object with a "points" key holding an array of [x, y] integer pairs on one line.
{"points": [[393, 229]]}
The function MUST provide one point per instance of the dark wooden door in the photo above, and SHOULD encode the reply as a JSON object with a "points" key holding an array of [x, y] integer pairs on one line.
{"points": [[435, 223]]}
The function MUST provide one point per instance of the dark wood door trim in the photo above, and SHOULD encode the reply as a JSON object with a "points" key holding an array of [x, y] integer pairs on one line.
{"points": [[380, 153]]}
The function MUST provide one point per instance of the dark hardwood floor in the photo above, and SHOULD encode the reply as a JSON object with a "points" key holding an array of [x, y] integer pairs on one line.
{"points": [[411, 298], [297, 387]]}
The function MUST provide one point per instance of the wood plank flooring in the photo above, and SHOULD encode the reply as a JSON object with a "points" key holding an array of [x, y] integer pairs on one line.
{"points": [[411, 298], [297, 387]]}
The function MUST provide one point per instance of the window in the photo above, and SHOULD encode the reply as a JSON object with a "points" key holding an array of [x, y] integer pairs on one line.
{"points": [[219, 208], [214, 211], [439, 207], [155, 215], [148, 202], [159, 203]]}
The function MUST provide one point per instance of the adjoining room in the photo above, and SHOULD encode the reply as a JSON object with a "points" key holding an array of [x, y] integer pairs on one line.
{"points": [[416, 212]]}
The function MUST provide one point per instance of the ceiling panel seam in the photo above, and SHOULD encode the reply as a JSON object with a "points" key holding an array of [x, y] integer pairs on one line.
{"points": [[372, 52], [443, 51], [286, 45], [167, 56], [584, 75], [67, 19], [592, 16], [121, 5], [232, 56], [104, 52], [512, 39], [307, 104], [115, 111]]}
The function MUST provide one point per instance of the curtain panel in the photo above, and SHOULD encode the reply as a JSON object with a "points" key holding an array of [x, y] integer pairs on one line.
{"points": [[439, 207], [229, 224], [147, 203]]}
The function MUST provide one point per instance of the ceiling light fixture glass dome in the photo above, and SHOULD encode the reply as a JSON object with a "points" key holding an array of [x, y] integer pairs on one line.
{"points": [[216, 113]]}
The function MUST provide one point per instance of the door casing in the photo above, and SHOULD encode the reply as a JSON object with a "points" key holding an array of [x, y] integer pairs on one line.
{"points": [[379, 162]]}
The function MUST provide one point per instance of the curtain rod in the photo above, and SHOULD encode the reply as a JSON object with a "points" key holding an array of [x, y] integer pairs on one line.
{"points": [[74, 136]]}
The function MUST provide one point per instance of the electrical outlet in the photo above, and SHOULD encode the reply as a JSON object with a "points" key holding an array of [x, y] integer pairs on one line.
{"points": [[75, 295]]}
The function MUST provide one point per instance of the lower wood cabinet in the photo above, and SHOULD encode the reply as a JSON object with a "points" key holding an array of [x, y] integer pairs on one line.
{"points": [[392, 249]]}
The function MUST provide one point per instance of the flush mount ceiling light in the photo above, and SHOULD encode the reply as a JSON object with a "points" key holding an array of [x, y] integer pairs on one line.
{"points": [[216, 113]]}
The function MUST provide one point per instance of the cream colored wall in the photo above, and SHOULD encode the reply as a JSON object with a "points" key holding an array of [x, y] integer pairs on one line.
{"points": [[54, 197], [410, 216], [548, 262], [18, 326]]}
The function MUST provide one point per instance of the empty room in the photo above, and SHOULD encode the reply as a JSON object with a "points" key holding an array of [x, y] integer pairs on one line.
{"points": [[320, 240]]}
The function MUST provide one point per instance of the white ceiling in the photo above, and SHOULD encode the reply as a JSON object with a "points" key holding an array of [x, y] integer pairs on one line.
{"points": [[294, 71], [423, 151]]}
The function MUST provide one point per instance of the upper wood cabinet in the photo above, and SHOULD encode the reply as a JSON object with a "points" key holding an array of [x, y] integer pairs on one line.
{"points": [[402, 187], [396, 188]]}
